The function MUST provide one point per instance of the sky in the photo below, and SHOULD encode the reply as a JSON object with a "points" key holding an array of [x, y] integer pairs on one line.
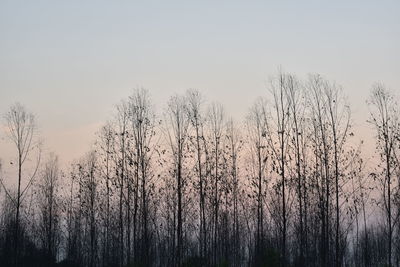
{"points": [[70, 62]]}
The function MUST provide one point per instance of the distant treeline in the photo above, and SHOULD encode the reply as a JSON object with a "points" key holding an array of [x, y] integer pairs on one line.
{"points": [[288, 186]]}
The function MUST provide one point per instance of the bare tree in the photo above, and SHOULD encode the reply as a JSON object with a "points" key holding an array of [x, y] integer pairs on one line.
{"points": [[322, 150], [298, 108], [278, 123], [385, 117], [197, 121], [330, 117], [90, 184], [143, 129], [22, 132], [339, 117], [259, 159], [49, 207], [121, 175], [177, 135], [216, 128], [235, 145], [106, 147]]}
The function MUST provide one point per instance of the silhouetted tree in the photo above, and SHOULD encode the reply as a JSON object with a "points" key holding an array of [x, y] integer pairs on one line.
{"points": [[290, 186], [177, 135], [21, 128], [47, 191], [386, 120]]}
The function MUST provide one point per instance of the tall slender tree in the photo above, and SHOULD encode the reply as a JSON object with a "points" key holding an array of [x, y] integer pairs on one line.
{"points": [[177, 136], [385, 116], [278, 124], [143, 130], [49, 207], [22, 132], [197, 121], [259, 159]]}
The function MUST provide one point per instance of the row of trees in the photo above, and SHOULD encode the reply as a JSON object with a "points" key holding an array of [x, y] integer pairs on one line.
{"points": [[192, 187]]}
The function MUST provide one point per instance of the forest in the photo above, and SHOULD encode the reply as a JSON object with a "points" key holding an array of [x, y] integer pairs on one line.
{"points": [[287, 185]]}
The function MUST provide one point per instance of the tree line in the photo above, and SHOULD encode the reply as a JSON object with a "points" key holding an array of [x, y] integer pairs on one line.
{"points": [[288, 186]]}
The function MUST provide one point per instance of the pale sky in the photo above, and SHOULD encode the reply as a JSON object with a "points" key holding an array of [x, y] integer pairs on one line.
{"points": [[70, 62]]}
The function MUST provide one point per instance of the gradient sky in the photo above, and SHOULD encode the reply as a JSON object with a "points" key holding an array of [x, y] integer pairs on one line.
{"points": [[70, 62]]}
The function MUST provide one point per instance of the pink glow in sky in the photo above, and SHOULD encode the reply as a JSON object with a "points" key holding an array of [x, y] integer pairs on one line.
{"points": [[70, 62]]}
